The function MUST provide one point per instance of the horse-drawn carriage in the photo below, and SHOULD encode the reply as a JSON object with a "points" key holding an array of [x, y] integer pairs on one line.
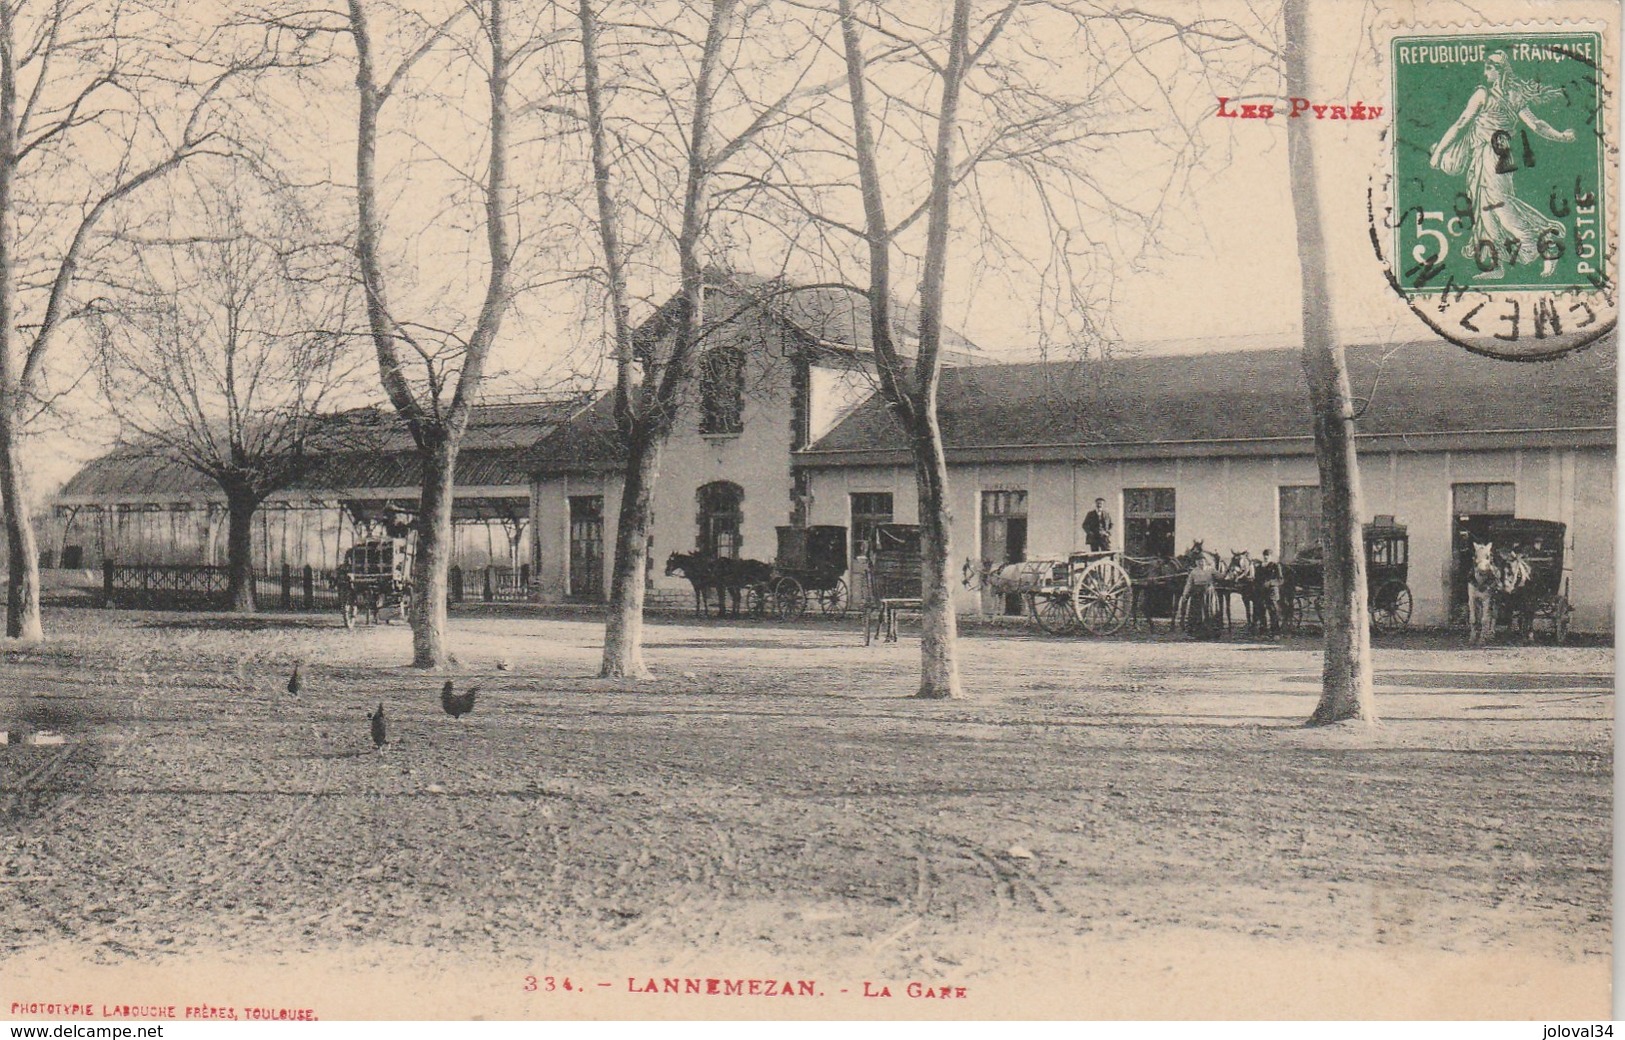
{"points": [[373, 575], [1088, 591], [1533, 585], [810, 566], [1387, 572], [891, 578]]}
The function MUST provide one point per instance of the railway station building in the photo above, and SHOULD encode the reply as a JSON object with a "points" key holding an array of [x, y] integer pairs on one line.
{"points": [[784, 428], [1216, 447]]}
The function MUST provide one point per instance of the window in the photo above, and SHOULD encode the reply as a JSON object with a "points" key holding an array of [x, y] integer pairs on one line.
{"points": [[1148, 521], [1483, 499], [869, 508], [722, 390], [1300, 519], [587, 546], [721, 516]]}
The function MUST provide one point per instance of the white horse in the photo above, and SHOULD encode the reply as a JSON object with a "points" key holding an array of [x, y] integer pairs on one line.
{"points": [[1482, 585], [1010, 579]]}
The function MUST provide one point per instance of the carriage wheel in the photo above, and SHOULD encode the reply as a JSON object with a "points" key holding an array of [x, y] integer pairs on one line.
{"points": [[1101, 597], [789, 599], [1302, 603], [1052, 611], [832, 601], [1560, 619], [1391, 609]]}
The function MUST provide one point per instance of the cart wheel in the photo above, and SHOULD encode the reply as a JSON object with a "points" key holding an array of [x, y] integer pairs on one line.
{"points": [[1100, 596], [789, 599], [1052, 611], [1560, 619], [1391, 608], [833, 600]]}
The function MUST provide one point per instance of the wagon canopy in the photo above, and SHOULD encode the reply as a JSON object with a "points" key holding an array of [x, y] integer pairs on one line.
{"points": [[1540, 542], [821, 547]]}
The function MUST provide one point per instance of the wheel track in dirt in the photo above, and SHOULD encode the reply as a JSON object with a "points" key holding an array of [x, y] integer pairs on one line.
{"points": [[1014, 887]]}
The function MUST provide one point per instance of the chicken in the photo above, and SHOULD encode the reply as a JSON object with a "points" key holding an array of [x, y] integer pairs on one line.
{"points": [[295, 683], [457, 704], [379, 738]]}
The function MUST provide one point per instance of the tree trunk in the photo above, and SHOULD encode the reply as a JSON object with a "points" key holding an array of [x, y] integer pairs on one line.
{"points": [[939, 664], [22, 584], [1346, 683], [22, 579], [240, 508], [623, 633], [432, 562]]}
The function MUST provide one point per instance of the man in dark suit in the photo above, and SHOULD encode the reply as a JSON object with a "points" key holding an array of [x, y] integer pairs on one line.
{"points": [[1268, 579], [1097, 527]]}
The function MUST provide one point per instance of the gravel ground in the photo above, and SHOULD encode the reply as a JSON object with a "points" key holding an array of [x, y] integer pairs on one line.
{"points": [[1136, 827]]}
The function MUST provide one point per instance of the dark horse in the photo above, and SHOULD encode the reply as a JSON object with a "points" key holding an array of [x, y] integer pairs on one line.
{"points": [[728, 576], [1157, 583]]}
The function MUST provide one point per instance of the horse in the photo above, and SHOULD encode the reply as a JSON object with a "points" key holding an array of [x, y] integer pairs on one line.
{"points": [[1482, 583], [1157, 581], [1009, 579], [699, 570], [1022, 578], [1515, 592], [732, 577]]}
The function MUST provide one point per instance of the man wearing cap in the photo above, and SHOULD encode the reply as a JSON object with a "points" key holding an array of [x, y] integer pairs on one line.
{"points": [[1267, 611], [1097, 527]]}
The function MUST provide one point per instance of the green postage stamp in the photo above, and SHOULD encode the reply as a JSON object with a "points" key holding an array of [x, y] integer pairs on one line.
{"points": [[1499, 209]]}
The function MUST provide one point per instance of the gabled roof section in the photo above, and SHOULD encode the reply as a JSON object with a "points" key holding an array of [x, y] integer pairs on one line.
{"points": [[826, 316], [589, 443], [1413, 389]]}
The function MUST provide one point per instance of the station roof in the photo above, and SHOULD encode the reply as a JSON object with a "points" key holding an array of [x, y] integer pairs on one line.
{"points": [[1255, 401], [369, 448]]}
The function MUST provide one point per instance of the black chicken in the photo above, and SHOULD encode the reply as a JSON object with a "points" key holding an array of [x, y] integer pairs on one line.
{"points": [[295, 684], [457, 704], [379, 739]]}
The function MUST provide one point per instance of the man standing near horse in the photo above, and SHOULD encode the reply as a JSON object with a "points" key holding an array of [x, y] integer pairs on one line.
{"points": [[1268, 579], [1097, 527]]}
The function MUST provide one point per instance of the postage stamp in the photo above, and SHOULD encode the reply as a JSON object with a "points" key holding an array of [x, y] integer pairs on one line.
{"points": [[1498, 228]]}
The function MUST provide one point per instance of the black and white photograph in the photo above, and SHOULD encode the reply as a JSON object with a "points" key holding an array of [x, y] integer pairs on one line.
{"points": [[808, 509]]}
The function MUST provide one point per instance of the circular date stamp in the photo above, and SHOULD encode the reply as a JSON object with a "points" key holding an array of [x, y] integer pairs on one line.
{"points": [[1492, 211]]}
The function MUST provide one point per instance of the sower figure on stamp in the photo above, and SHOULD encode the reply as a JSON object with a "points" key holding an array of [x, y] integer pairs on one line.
{"points": [[1097, 527], [1508, 230], [1267, 609]]}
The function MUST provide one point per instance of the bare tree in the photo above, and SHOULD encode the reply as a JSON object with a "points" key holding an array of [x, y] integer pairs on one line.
{"points": [[1346, 678], [977, 113], [652, 377], [96, 102], [449, 364], [222, 350]]}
